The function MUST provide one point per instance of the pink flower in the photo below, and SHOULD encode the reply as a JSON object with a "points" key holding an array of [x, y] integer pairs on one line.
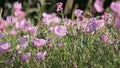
{"points": [[115, 6], [60, 30], [2, 25], [13, 32], [40, 55], [23, 25], [96, 24], [50, 18], [4, 46], [59, 6], [19, 13], [10, 20], [1, 35], [107, 17], [32, 30], [51, 29], [73, 23], [78, 12], [98, 5], [22, 42], [117, 22], [104, 38], [17, 6], [60, 44], [67, 22], [39, 42], [25, 57]]}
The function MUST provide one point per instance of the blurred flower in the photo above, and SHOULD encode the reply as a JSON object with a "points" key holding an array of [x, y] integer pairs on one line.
{"points": [[96, 24], [49, 45], [117, 22], [107, 17], [67, 22], [4, 46], [13, 32], [9, 62], [32, 30], [73, 23], [40, 55], [22, 45], [25, 57], [51, 29], [59, 6], [2, 25], [78, 12], [17, 6], [104, 38], [22, 42], [1, 35], [23, 25], [98, 5], [19, 13], [39, 42], [60, 30], [115, 6], [10, 20], [19, 49], [50, 18], [80, 18], [60, 44]]}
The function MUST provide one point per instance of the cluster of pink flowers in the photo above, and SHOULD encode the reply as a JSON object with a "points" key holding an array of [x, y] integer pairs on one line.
{"points": [[26, 33], [39, 56], [14, 26]]}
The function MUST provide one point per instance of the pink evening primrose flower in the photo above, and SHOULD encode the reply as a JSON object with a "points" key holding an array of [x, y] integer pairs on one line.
{"points": [[98, 5], [104, 38], [60, 30], [117, 22], [39, 42], [2, 25], [115, 6], [25, 57], [4, 46], [78, 12], [13, 32], [67, 22], [59, 6], [33, 30], [23, 25], [40, 55], [96, 24], [50, 18], [19, 13], [17, 6], [10, 20], [51, 29], [60, 43], [1, 35], [22, 42]]}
